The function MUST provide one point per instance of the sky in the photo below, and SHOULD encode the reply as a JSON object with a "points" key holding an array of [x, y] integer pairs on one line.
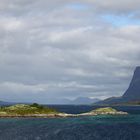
{"points": [[64, 49]]}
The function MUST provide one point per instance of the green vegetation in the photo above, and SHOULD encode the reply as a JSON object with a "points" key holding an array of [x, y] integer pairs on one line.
{"points": [[23, 109]]}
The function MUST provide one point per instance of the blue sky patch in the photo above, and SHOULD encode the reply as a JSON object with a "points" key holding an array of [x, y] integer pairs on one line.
{"points": [[121, 20], [78, 6]]}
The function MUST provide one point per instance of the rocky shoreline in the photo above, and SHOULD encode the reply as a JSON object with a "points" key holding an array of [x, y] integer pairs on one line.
{"points": [[99, 111]]}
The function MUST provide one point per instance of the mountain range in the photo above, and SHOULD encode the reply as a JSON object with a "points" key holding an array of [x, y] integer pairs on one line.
{"points": [[76, 101], [63, 101], [84, 101], [5, 103]]}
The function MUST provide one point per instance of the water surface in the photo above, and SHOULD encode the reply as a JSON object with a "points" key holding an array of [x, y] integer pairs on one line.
{"points": [[105, 127]]}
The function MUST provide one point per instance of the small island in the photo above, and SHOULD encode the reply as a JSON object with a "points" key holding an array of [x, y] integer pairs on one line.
{"points": [[104, 111], [38, 111]]}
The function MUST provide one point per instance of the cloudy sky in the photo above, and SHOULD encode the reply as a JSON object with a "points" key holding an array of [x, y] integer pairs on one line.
{"points": [[50, 50]]}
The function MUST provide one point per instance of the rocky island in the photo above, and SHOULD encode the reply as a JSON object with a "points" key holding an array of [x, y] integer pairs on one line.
{"points": [[39, 111]]}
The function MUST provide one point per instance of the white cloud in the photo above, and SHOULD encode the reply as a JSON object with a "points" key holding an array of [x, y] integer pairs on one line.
{"points": [[49, 48]]}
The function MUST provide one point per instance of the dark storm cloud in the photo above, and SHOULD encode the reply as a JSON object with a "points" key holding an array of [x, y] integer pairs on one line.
{"points": [[66, 49]]}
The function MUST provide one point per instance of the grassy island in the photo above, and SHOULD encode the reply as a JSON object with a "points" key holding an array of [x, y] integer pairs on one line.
{"points": [[25, 110]]}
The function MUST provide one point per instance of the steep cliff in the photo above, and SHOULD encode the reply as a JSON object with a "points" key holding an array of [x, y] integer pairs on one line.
{"points": [[133, 92]]}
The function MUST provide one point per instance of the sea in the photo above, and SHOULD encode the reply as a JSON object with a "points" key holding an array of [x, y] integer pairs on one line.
{"points": [[102, 127]]}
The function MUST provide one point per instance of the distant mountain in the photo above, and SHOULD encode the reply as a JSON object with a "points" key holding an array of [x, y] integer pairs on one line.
{"points": [[77, 101], [132, 94], [84, 101]]}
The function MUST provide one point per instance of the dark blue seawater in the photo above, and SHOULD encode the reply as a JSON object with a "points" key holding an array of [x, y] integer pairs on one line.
{"points": [[105, 127]]}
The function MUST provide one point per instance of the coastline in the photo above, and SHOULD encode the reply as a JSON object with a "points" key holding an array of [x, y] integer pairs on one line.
{"points": [[62, 115], [38, 111]]}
